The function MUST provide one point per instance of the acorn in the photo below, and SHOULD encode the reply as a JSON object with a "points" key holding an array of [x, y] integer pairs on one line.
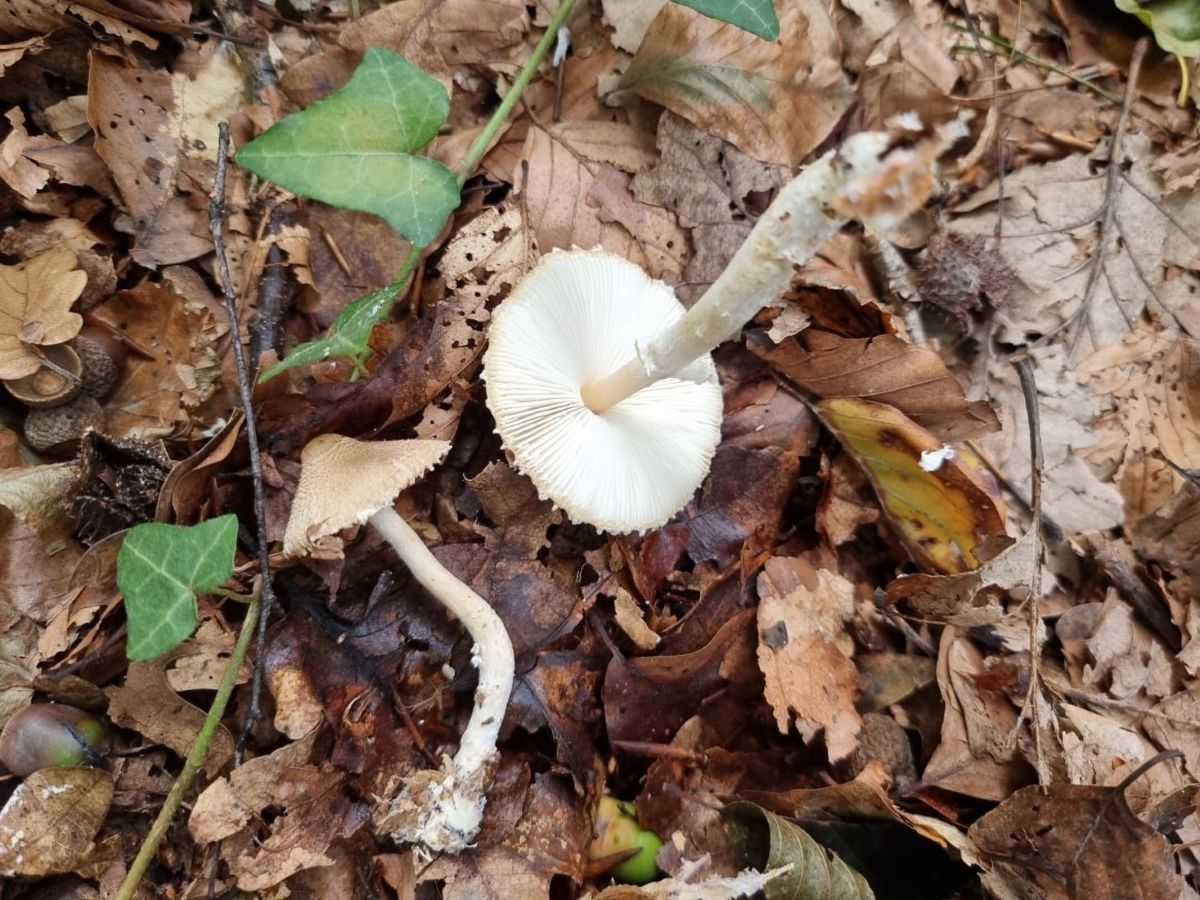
{"points": [[103, 358], [616, 834], [58, 381], [50, 735], [57, 430]]}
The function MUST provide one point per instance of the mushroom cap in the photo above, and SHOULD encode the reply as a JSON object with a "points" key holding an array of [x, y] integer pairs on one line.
{"points": [[575, 318], [344, 482]]}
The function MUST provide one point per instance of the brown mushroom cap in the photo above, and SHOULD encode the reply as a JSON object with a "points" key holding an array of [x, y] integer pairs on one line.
{"points": [[344, 482]]}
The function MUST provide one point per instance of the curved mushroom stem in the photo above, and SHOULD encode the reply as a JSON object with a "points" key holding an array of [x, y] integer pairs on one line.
{"points": [[851, 182], [442, 809]]}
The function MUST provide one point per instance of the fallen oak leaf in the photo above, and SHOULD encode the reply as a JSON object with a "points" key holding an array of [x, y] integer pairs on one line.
{"points": [[1080, 841], [35, 308], [941, 516], [48, 824]]}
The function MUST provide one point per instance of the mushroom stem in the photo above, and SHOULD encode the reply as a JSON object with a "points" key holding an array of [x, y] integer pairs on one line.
{"points": [[808, 211], [444, 812]]}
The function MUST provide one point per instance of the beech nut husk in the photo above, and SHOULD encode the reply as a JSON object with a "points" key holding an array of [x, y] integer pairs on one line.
{"points": [[58, 381], [50, 735]]}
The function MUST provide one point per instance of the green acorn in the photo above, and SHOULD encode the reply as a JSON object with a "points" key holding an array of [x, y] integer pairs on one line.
{"points": [[48, 735], [615, 831]]}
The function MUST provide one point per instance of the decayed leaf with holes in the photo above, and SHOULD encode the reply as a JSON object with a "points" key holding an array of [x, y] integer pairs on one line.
{"points": [[35, 308], [47, 825], [941, 516], [775, 100]]}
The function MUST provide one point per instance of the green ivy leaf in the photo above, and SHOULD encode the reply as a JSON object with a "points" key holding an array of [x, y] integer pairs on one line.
{"points": [[160, 569], [355, 148], [755, 16], [1175, 23]]}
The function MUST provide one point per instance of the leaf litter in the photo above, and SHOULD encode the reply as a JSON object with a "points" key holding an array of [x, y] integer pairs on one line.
{"points": [[829, 629]]}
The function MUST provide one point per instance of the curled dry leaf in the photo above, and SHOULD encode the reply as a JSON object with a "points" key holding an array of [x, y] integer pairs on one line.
{"points": [[48, 824], [942, 517], [35, 308]]}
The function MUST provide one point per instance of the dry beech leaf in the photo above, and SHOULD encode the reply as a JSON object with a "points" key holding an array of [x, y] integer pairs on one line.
{"points": [[48, 824], [571, 202], [1078, 841], [804, 652], [35, 308], [343, 481], [942, 516], [885, 369], [970, 598], [775, 100]]}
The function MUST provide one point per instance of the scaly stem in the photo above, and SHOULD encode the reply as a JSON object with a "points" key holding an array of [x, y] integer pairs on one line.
{"points": [[194, 760], [796, 223], [448, 817]]}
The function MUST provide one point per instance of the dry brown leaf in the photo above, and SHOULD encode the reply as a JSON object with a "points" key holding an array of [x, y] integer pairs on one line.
{"points": [[231, 802], [710, 185], [630, 20], [35, 308], [152, 398], [10, 54], [629, 148], [975, 755], [17, 170], [140, 143], [775, 100], [1078, 841], [48, 824], [805, 652], [146, 704], [970, 598], [885, 369], [571, 202]]}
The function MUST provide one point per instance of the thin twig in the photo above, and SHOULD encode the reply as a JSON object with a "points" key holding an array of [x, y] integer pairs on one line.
{"points": [[970, 20], [216, 227], [1111, 192], [1033, 695]]}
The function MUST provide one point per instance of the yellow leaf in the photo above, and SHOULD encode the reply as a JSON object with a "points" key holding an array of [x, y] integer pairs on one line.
{"points": [[35, 308], [941, 516]]}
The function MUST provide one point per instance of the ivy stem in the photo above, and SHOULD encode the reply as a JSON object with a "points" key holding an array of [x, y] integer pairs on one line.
{"points": [[483, 142], [195, 759]]}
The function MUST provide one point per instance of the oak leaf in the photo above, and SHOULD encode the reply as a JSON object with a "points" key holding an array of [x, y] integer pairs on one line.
{"points": [[35, 308]]}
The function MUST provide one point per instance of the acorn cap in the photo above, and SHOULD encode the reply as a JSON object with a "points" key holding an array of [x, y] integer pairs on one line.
{"points": [[344, 482], [102, 357], [57, 430], [55, 383], [574, 318]]}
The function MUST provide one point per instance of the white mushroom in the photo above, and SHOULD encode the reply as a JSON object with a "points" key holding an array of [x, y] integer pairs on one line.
{"points": [[570, 321], [602, 386], [344, 482]]}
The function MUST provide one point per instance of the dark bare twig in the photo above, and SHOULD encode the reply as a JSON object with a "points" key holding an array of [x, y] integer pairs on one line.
{"points": [[273, 289], [1034, 695], [1108, 209], [216, 227]]}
